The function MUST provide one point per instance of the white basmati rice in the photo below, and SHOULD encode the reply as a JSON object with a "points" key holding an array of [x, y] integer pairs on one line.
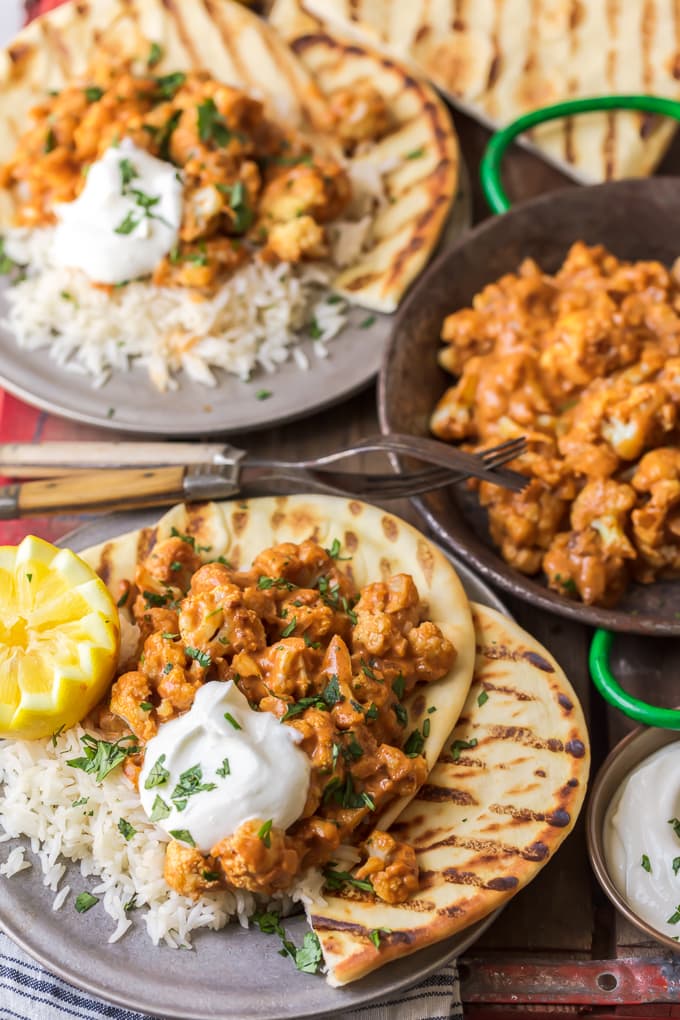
{"points": [[254, 320], [68, 816]]}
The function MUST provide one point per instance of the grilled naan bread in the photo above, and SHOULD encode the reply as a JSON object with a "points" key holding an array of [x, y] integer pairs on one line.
{"points": [[499, 60], [410, 174], [418, 157], [504, 794], [379, 545]]}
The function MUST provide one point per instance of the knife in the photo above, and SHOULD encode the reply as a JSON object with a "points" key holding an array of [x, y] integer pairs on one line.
{"points": [[29, 460]]}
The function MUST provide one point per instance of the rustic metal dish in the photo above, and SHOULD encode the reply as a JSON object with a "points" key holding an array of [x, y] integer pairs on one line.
{"points": [[231, 974], [636, 219], [627, 754]]}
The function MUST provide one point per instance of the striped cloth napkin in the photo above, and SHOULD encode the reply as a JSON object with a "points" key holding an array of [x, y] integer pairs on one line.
{"points": [[29, 992]]}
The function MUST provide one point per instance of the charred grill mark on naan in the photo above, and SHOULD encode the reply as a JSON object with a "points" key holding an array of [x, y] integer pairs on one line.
{"points": [[489, 817], [500, 60]]}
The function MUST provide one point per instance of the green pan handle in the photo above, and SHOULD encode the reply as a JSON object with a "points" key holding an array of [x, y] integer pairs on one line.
{"points": [[489, 170], [494, 192], [611, 690]]}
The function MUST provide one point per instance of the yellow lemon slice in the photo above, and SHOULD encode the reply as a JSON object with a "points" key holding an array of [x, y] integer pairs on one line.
{"points": [[59, 637]]}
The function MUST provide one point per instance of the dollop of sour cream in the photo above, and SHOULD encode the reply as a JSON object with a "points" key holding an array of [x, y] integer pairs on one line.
{"points": [[221, 764], [125, 220], [642, 840]]}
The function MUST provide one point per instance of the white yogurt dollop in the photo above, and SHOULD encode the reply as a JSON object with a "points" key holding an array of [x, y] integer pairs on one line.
{"points": [[641, 844], [249, 760], [125, 220]]}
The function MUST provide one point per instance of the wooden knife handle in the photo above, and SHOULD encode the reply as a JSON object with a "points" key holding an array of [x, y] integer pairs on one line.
{"points": [[103, 490]]}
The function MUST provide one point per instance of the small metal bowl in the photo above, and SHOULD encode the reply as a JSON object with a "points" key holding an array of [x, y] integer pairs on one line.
{"points": [[621, 761]]}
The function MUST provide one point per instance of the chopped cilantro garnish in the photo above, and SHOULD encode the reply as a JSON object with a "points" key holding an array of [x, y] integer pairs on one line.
{"points": [[675, 917], [168, 84], [202, 658], [50, 141], [461, 745], [239, 205], [211, 876], [102, 756], [336, 880], [401, 714], [645, 862], [125, 829], [159, 809], [416, 153], [212, 127], [123, 599], [158, 775], [263, 394], [93, 93], [263, 583], [482, 698], [85, 901], [189, 784], [155, 55], [230, 719], [399, 685], [264, 833], [367, 322], [128, 172], [146, 706], [128, 224], [334, 551], [315, 330], [374, 935], [224, 769], [331, 693], [80, 801], [184, 835], [289, 628], [414, 744]]}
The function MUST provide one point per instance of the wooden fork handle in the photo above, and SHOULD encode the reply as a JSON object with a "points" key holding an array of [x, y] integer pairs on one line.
{"points": [[96, 490]]}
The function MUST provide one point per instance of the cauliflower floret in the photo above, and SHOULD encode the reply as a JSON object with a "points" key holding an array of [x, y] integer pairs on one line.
{"points": [[578, 563], [640, 420], [454, 416], [656, 524], [262, 862], [385, 613], [523, 523], [320, 189], [189, 872], [605, 505], [131, 700], [391, 867], [296, 240], [360, 112]]}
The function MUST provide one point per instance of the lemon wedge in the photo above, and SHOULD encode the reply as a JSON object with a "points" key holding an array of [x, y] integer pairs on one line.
{"points": [[59, 637]]}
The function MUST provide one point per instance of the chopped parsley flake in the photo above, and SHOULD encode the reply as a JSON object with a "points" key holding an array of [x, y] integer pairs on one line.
{"points": [[416, 153], [401, 714], [263, 583], [230, 719], [315, 330], [461, 745], [56, 734], [168, 84], [426, 728], [85, 901], [675, 822], [102, 756], [308, 958], [289, 628], [224, 769], [263, 394], [155, 55], [158, 775], [123, 599], [336, 880], [146, 706], [334, 551], [183, 835], [676, 865], [398, 685], [374, 935], [189, 784], [93, 93], [482, 698], [264, 833], [128, 224], [159, 809], [645, 862], [212, 127], [414, 744], [367, 322], [202, 658], [675, 917], [125, 829]]}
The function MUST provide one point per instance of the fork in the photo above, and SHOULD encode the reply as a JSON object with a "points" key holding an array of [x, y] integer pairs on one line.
{"points": [[233, 471]]}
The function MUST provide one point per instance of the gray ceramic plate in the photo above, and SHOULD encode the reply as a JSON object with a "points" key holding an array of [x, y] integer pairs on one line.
{"points": [[129, 403], [233, 974]]}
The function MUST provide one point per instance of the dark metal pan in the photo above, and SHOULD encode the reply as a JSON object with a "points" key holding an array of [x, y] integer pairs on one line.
{"points": [[635, 219]]}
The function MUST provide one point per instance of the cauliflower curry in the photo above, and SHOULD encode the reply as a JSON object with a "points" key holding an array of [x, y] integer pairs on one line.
{"points": [[299, 640], [250, 185], [586, 365]]}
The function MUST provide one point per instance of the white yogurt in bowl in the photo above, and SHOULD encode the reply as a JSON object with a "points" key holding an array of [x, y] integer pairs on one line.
{"points": [[641, 840]]}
